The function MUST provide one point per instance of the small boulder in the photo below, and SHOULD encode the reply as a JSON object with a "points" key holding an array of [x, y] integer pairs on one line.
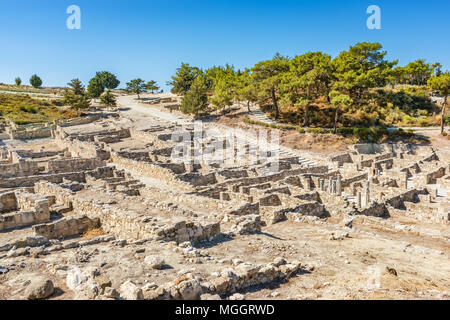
{"points": [[111, 293], [279, 261], [103, 282], [237, 296], [208, 296], [39, 288], [154, 262], [130, 291]]}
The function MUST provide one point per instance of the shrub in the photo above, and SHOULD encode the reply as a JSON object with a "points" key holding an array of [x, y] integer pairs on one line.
{"points": [[35, 81], [447, 119]]}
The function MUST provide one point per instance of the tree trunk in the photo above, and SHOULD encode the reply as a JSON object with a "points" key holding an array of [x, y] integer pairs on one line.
{"points": [[306, 120], [336, 114], [139, 97], [443, 114], [248, 106], [275, 103]]}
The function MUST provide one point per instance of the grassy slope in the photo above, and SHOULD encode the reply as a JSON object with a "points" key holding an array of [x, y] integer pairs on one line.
{"points": [[23, 109]]}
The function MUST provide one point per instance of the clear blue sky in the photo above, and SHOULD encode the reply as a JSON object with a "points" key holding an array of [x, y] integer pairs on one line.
{"points": [[150, 38]]}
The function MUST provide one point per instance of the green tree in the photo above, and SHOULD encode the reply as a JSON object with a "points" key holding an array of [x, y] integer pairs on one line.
{"points": [[136, 86], [267, 76], [361, 67], [223, 95], [95, 87], [195, 100], [437, 68], [184, 78], [396, 76], [151, 86], [442, 84], [108, 99], [418, 72], [35, 81], [108, 80], [309, 77], [18, 81], [246, 89], [76, 97], [340, 101], [226, 73]]}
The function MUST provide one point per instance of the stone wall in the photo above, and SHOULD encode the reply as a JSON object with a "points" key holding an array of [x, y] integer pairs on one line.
{"points": [[31, 134], [8, 202], [410, 196], [304, 209], [360, 177], [73, 165], [36, 154], [66, 227], [76, 121], [31, 180], [37, 212], [342, 158], [148, 169], [22, 168], [375, 210], [129, 224]]}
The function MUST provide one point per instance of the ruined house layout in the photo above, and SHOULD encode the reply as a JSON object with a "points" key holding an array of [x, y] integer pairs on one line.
{"points": [[99, 209]]}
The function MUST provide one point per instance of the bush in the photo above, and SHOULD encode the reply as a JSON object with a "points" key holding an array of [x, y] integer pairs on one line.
{"points": [[447, 119], [35, 81]]}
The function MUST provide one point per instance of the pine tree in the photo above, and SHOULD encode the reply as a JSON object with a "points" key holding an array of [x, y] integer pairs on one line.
{"points": [[76, 96], [35, 81], [95, 88], [136, 86], [108, 99], [442, 84], [184, 78], [151, 86], [195, 100]]}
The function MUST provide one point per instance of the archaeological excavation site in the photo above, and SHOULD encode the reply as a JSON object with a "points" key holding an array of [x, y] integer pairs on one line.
{"points": [[104, 207]]}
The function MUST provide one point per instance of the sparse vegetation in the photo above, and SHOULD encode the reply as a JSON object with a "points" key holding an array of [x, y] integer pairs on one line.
{"points": [[23, 109]]}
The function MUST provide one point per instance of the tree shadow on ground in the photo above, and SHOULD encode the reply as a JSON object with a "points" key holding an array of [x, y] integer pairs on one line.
{"points": [[269, 235]]}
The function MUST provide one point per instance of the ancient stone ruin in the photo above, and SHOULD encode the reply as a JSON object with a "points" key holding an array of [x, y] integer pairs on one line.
{"points": [[100, 207]]}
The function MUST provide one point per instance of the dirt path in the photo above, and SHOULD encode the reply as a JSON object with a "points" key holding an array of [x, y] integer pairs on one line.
{"points": [[131, 106]]}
